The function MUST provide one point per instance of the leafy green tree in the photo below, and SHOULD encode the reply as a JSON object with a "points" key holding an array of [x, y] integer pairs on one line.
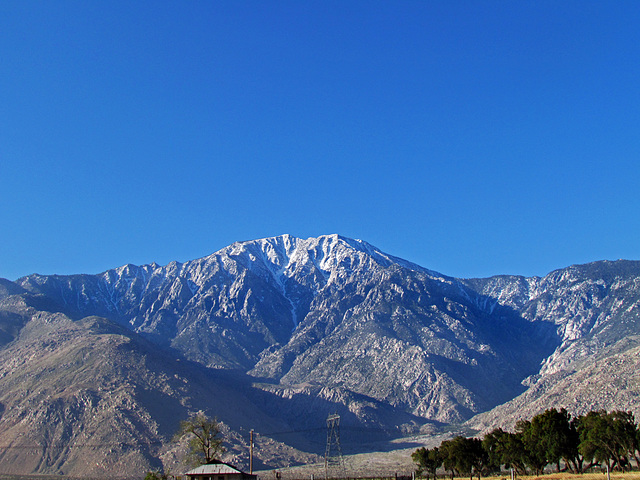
{"points": [[574, 457], [448, 454], [479, 457], [493, 443], [608, 438], [554, 433], [515, 453], [593, 434], [428, 461], [626, 434], [505, 448], [464, 456], [535, 452], [205, 444]]}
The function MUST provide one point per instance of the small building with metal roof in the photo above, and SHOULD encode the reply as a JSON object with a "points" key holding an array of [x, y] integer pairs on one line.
{"points": [[218, 471]]}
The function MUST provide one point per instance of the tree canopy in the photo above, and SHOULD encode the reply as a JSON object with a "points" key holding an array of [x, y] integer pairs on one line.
{"points": [[428, 461], [553, 437], [609, 438], [205, 443]]}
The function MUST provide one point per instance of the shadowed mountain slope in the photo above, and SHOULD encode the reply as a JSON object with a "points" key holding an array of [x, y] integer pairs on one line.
{"points": [[275, 334]]}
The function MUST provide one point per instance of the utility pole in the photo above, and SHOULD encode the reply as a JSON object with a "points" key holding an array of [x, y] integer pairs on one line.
{"points": [[251, 453]]}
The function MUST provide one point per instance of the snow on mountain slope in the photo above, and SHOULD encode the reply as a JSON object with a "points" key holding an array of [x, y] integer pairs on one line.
{"points": [[331, 324], [281, 307], [336, 311], [256, 292]]}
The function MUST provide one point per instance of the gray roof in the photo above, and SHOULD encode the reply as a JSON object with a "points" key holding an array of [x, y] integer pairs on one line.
{"points": [[213, 469]]}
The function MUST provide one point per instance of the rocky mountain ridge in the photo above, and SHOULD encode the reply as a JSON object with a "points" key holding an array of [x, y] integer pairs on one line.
{"points": [[310, 327], [274, 307]]}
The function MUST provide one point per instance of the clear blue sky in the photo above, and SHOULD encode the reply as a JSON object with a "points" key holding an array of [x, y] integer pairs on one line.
{"points": [[472, 137]]}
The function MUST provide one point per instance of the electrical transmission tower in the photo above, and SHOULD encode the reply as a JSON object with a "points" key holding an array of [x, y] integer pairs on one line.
{"points": [[333, 443]]}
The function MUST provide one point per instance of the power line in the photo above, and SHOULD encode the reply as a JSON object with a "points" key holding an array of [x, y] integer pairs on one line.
{"points": [[90, 445], [352, 428], [159, 442]]}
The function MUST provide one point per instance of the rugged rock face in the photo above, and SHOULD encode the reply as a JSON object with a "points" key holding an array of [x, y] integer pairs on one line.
{"points": [[328, 311], [596, 309], [275, 334], [89, 398], [606, 383]]}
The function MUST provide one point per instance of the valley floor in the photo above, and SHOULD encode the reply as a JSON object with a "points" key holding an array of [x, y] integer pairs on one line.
{"points": [[290, 475]]}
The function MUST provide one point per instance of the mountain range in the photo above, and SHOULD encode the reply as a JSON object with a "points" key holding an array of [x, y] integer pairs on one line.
{"points": [[96, 371]]}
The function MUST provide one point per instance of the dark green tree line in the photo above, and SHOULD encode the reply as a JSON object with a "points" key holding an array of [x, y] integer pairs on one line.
{"points": [[550, 438]]}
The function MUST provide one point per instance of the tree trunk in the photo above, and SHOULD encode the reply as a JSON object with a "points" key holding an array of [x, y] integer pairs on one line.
{"points": [[573, 463]]}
